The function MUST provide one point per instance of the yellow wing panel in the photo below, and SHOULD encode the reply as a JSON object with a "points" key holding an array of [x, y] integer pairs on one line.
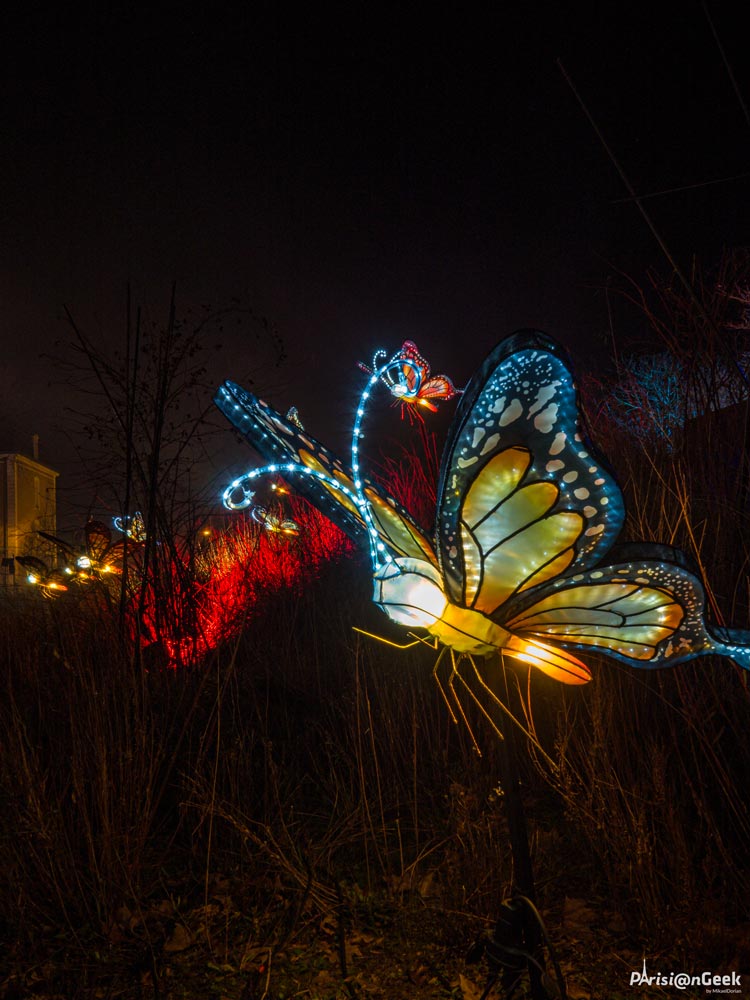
{"points": [[401, 534], [509, 539], [519, 510], [623, 617], [497, 480], [507, 568]]}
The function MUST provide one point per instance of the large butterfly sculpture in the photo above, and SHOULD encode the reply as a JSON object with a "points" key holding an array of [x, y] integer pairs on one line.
{"points": [[522, 560]]}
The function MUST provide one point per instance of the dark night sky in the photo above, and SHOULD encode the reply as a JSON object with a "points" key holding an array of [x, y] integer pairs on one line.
{"points": [[357, 178]]}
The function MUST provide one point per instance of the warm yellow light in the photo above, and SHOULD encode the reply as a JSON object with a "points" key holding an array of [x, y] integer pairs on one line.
{"points": [[557, 663], [408, 591]]}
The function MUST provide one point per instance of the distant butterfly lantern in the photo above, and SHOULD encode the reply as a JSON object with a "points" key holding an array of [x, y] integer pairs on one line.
{"points": [[133, 526], [96, 559], [237, 496], [50, 582], [522, 560]]}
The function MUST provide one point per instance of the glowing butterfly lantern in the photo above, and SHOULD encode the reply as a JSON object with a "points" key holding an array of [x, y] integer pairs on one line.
{"points": [[134, 527], [292, 415], [273, 521], [407, 377], [98, 557], [51, 582], [522, 561]]}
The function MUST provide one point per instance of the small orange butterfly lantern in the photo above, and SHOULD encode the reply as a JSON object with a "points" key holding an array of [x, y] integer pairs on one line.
{"points": [[407, 377]]}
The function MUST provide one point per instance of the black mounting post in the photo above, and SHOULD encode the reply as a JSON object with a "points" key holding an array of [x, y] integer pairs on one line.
{"points": [[523, 872]]}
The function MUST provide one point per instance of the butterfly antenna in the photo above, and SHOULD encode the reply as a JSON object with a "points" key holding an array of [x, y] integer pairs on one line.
{"points": [[473, 695]]}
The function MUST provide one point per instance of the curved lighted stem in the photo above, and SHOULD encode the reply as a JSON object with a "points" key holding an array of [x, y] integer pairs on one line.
{"points": [[378, 554], [280, 469]]}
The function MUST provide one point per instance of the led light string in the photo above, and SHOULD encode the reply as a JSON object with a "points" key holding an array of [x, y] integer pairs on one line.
{"points": [[242, 483], [379, 556]]}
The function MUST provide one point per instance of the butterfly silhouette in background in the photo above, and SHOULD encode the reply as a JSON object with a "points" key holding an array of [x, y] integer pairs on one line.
{"points": [[407, 377], [50, 581], [98, 558], [523, 559]]}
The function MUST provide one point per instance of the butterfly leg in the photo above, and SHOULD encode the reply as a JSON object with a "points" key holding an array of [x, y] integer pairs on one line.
{"points": [[450, 695], [494, 699]]}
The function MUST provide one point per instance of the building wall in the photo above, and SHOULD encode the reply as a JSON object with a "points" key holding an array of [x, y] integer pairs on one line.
{"points": [[28, 504]]}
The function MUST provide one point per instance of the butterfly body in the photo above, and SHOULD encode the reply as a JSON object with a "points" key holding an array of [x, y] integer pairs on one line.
{"points": [[522, 559]]}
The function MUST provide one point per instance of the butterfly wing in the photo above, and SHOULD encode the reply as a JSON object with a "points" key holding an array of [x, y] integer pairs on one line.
{"points": [[412, 372], [68, 552], [645, 608], [98, 540], [34, 565], [437, 387], [527, 512], [521, 499], [278, 440]]}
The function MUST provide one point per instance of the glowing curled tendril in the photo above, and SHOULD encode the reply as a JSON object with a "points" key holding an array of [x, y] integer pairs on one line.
{"points": [[247, 495], [378, 554]]}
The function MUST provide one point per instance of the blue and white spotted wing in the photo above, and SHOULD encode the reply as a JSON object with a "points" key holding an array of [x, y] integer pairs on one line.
{"points": [[646, 608], [527, 516], [521, 498]]}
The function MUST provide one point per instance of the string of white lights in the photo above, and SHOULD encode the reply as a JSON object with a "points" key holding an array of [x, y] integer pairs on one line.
{"points": [[379, 555]]}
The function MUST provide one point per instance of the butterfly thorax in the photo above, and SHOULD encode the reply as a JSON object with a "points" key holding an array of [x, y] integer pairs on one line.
{"points": [[468, 631], [410, 592]]}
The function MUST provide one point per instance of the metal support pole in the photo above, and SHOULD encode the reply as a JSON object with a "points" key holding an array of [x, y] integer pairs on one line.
{"points": [[523, 872]]}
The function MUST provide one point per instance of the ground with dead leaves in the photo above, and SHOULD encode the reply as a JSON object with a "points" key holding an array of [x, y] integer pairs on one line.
{"points": [[379, 947]]}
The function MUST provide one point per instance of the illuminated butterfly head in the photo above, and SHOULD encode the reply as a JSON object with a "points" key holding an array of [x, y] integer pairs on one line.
{"points": [[523, 558], [407, 376]]}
